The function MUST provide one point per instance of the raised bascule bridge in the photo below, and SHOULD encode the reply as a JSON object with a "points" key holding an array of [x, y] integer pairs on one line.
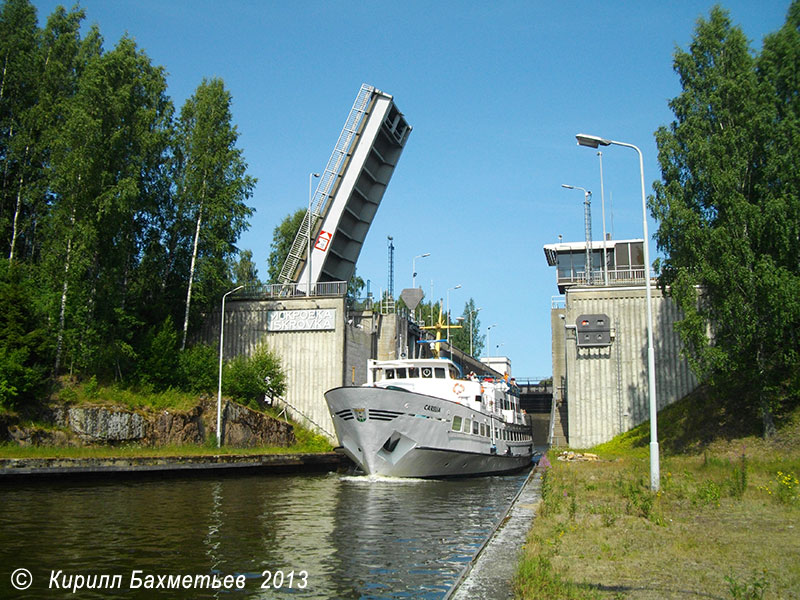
{"points": [[348, 194], [322, 339]]}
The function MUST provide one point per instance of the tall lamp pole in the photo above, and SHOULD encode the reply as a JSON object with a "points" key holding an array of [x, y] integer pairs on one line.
{"points": [[414, 268], [488, 337], [587, 222], [593, 141], [310, 229], [603, 207], [219, 388]]}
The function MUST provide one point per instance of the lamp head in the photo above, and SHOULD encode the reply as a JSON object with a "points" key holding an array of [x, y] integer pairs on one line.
{"points": [[592, 141], [569, 187]]}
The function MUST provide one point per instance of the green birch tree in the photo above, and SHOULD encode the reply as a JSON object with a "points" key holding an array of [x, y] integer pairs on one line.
{"points": [[18, 96], [103, 158], [212, 187], [244, 270], [716, 211], [461, 337], [282, 238]]}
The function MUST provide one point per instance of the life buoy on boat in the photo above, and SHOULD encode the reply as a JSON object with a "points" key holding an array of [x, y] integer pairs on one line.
{"points": [[458, 388]]}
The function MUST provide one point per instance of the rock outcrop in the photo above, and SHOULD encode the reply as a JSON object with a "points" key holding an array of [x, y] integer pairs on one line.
{"points": [[84, 425]]}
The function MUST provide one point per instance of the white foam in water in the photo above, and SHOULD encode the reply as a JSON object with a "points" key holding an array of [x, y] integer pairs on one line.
{"points": [[373, 479]]}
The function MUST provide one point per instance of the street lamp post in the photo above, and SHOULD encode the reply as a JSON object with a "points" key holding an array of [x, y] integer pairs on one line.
{"points": [[414, 268], [219, 388], [448, 316], [593, 141], [310, 228], [488, 337], [587, 222], [603, 208]]}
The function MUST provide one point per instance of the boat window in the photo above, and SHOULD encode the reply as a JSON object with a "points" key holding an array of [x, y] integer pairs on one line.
{"points": [[413, 372], [456, 423], [475, 427], [453, 373], [467, 425], [389, 373], [440, 374], [401, 373], [427, 372]]}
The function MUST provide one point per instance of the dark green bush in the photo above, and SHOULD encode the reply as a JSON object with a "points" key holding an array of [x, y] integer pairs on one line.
{"points": [[158, 364], [198, 369], [250, 378], [25, 347]]}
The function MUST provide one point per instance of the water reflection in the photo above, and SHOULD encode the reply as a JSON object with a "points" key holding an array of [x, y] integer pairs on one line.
{"points": [[355, 537]]}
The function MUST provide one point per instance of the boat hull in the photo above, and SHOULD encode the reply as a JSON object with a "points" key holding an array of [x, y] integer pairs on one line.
{"points": [[398, 433]]}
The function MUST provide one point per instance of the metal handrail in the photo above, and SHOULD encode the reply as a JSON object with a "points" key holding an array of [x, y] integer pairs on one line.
{"points": [[304, 415], [615, 276], [289, 290]]}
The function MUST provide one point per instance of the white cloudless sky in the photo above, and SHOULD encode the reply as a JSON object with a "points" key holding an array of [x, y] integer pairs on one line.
{"points": [[495, 93]]}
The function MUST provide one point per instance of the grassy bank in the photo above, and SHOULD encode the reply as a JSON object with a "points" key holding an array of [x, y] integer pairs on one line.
{"points": [[725, 523], [307, 442], [91, 394]]}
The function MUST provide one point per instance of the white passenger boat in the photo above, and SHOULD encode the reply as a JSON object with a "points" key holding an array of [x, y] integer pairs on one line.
{"points": [[418, 418]]}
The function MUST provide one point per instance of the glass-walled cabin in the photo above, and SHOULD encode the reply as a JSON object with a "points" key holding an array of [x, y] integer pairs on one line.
{"points": [[624, 263]]}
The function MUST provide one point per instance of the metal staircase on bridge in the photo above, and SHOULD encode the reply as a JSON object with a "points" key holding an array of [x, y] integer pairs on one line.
{"points": [[325, 189]]}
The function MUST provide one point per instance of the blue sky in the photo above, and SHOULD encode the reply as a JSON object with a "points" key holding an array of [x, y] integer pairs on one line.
{"points": [[495, 92]]}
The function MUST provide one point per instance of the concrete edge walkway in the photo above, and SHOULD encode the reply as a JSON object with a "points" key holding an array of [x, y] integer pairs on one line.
{"points": [[12, 468], [490, 573]]}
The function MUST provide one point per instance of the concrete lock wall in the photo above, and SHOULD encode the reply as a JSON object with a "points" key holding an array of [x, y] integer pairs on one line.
{"points": [[607, 387], [320, 347]]}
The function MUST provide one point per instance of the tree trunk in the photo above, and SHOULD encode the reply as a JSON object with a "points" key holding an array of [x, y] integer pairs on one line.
{"points": [[191, 275], [63, 312], [767, 418], [18, 206]]}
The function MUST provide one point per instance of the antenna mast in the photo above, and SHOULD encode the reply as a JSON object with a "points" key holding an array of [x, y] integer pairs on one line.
{"points": [[391, 266]]}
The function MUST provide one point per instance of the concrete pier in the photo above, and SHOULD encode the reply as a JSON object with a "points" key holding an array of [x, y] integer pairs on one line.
{"points": [[30, 468], [489, 574]]}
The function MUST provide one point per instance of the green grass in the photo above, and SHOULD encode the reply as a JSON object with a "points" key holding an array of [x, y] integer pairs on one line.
{"points": [[724, 523], [90, 393], [137, 451]]}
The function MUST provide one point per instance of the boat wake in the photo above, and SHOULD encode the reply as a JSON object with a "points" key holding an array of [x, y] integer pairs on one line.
{"points": [[381, 479]]}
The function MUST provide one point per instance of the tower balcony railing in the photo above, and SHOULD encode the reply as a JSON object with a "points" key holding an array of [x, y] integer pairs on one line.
{"points": [[624, 276], [328, 289]]}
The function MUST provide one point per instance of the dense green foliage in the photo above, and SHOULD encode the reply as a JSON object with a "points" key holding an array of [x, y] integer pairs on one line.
{"points": [[461, 337], [250, 378], [118, 221], [728, 208], [282, 239]]}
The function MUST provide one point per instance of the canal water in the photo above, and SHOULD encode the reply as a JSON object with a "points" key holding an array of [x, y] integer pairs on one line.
{"points": [[301, 536]]}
